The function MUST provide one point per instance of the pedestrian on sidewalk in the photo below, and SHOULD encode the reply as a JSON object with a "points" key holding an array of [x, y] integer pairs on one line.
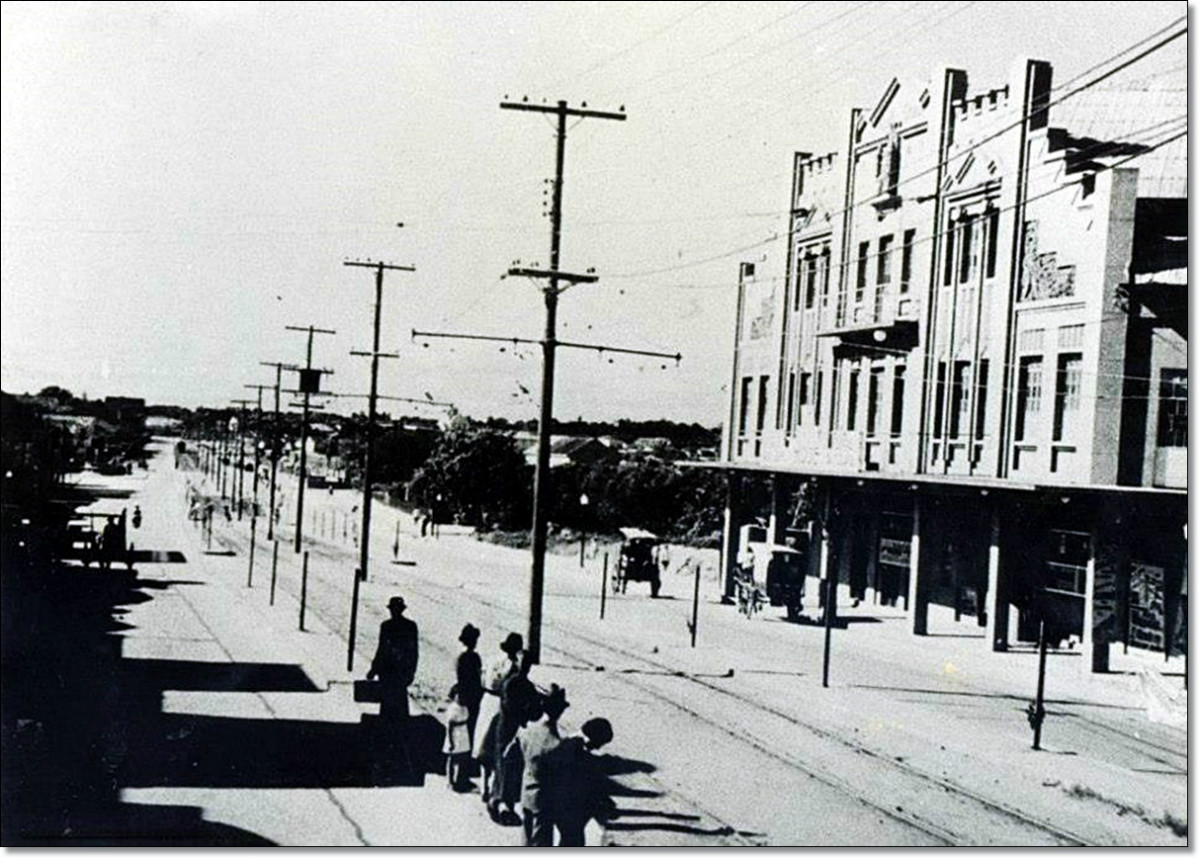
{"points": [[458, 742], [395, 662], [580, 788], [519, 703], [484, 748], [534, 750], [468, 679]]}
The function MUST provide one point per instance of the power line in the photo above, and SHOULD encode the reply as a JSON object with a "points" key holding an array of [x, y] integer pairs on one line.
{"points": [[921, 173], [940, 163], [599, 64]]}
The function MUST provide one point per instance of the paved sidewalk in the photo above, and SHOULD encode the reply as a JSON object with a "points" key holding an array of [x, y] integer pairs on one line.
{"points": [[267, 720]]}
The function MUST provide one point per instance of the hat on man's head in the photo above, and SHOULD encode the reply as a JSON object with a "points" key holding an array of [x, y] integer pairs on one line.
{"points": [[469, 634], [554, 702], [513, 644], [397, 603]]}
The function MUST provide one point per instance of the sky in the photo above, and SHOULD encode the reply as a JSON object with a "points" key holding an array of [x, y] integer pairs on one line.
{"points": [[180, 181]]}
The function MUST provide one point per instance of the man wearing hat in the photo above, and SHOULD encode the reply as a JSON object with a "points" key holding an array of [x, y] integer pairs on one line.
{"points": [[395, 662]]}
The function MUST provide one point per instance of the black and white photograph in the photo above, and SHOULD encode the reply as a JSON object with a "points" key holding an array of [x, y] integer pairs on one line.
{"points": [[546, 424]]}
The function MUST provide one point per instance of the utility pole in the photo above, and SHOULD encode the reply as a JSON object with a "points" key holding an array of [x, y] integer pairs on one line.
{"points": [[241, 461], [549, 344], [310, 383], [276, 437], [257, 443], [541, 478], [369, 454]]}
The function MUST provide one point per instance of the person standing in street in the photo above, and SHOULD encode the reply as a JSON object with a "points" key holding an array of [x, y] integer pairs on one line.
{"points": [[536, 746], [580, 792], [395, 662]]}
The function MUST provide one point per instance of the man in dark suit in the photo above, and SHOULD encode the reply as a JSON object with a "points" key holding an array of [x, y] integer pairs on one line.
{"points": [[395, 662]]}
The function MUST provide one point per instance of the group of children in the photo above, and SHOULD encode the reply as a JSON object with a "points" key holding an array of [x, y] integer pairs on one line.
{"points": [[499, 719]]}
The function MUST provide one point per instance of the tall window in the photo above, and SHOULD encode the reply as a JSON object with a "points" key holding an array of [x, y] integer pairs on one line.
{"points": [[981, 381], [883, 272], [939, 399], [852, 400], [1066, 392], [1172, 409], [810, 281], [968, 252], [797, 289], [825, 258], [791, 401], [906, 260], [1029, 393], [898, 400], [744, 411], [959, 401], [805, 392], [860, 284], [817, 399], [948, 269], [763, 387], [874, 392], [993, 239]]}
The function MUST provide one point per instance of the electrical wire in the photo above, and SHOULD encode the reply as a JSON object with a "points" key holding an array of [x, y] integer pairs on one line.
{"points": [[947, 161]]}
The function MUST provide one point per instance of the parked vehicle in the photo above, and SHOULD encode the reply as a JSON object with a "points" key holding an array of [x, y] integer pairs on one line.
{"points": [[773, 573], [638, 561]]}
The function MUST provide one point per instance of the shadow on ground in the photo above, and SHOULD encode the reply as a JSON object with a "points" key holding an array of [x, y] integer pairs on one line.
{"points": [[80, 722]]}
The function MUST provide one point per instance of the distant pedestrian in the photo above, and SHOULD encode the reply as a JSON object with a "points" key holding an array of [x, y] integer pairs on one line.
{"points": [[110, 543], [484, 747], [580, 788], [535, 750], [395, 662], [519, 703]]}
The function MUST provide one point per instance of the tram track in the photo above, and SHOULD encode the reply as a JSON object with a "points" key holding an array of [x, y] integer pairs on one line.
{"points": [[917, 782]]}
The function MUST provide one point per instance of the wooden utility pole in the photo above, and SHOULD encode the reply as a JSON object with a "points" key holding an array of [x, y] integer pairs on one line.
{"points": [[369, 454], [310, 383], [549, 343], [240, 483], [257, 444], [541, 478], [276, 437]]}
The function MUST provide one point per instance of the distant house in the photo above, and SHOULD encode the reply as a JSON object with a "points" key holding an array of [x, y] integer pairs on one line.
{"points": [[567, 449], [126, 411]]}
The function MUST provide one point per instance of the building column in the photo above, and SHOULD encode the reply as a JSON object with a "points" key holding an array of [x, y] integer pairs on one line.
{"points": [[825, 568], [919, 571], [997, 619], [731, 536], [1106, 604], [1095, 641]]}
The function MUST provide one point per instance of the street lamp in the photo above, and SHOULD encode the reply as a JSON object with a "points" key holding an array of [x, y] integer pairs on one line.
{"points": [[583, 505]]}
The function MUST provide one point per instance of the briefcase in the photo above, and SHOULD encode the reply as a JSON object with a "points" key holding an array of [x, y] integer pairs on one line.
{"points": [[368, 691]]}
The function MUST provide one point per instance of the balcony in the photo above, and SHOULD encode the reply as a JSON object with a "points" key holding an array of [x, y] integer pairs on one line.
{"points": [[882, 316]]}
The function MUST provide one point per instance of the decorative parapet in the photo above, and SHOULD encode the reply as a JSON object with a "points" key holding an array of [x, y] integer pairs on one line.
{"points": [[1042, 277]]}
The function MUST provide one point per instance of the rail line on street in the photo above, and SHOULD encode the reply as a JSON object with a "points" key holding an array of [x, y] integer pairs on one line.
{"points": [[917, 782]]}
